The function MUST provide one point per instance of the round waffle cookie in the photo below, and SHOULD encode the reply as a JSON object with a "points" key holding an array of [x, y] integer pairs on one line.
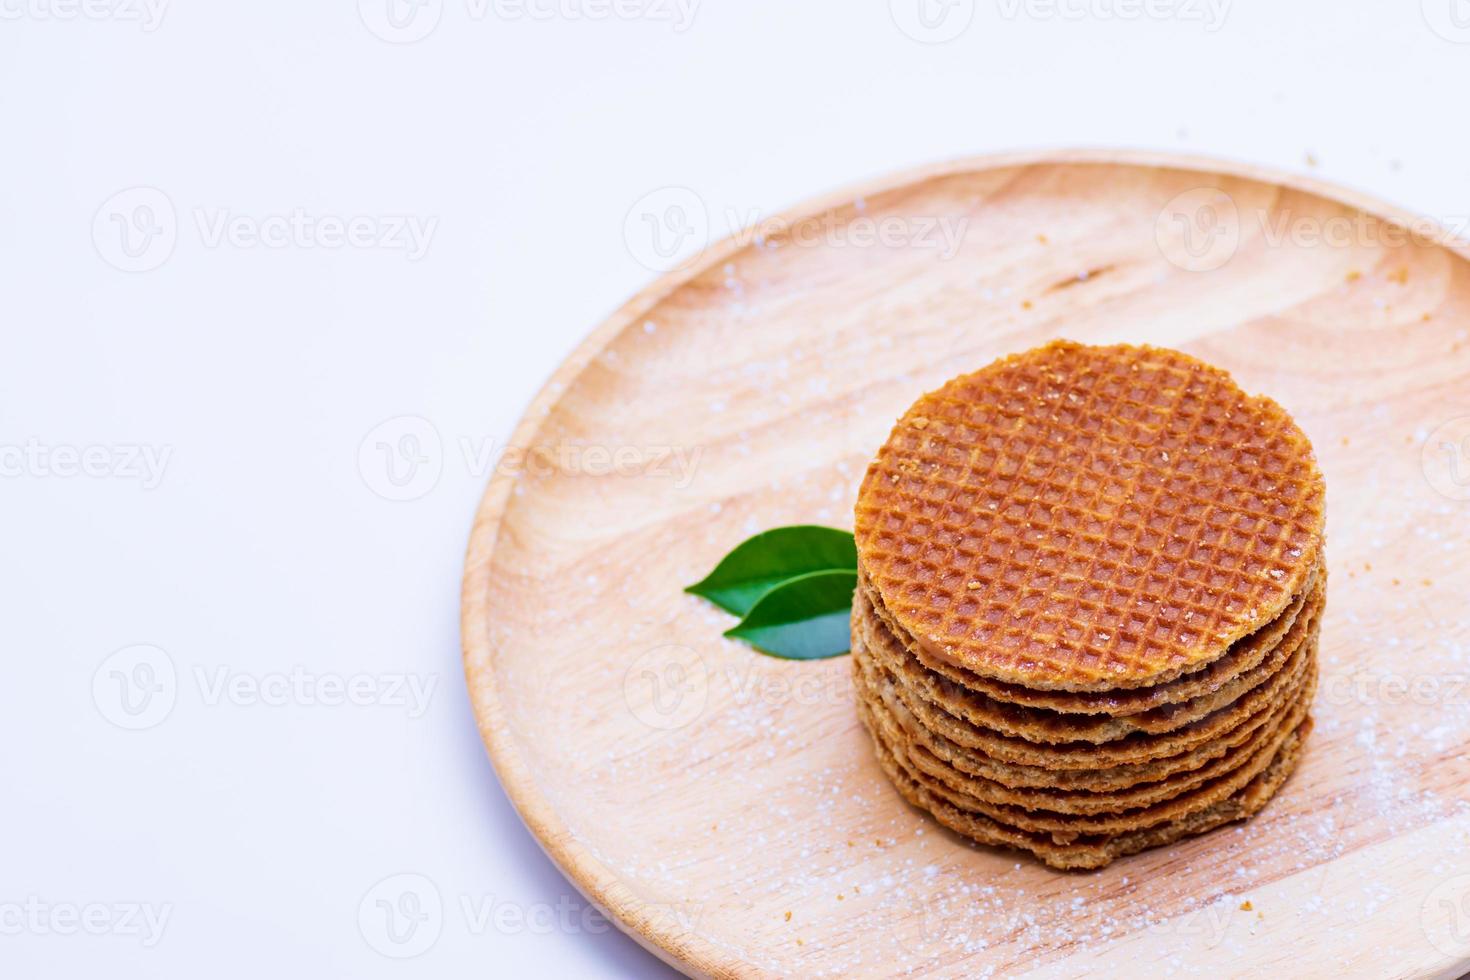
{"points": [[1089, 518], [1091, 584]]}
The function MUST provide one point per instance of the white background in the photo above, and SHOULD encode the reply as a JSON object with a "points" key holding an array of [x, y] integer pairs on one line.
{"points": [[263, 543]]}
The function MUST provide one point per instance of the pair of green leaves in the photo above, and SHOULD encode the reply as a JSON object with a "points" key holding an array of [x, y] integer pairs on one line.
{"points": [[793, 588]]}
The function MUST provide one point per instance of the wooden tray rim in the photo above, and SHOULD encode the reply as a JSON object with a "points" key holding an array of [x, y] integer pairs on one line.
{"points": [[592, 878]]}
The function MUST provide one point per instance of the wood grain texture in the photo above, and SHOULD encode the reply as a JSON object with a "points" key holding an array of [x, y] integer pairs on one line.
{"points": [[725, 808]]}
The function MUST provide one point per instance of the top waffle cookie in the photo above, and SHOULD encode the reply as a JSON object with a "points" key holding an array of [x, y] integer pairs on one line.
{"points": [[1088, 518]]}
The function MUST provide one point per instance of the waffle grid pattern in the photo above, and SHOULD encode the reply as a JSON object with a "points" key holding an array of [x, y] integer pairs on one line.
{"points": [[1082, 516]]}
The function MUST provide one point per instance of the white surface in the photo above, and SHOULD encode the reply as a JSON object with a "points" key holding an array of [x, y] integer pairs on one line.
{"points": [[261, 829]]}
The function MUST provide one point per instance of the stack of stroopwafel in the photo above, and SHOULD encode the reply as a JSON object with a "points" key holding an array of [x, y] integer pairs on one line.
{"points": [[1090, 587]]}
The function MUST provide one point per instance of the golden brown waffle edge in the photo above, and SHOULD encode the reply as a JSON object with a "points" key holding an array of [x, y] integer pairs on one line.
{"points": [[1093, 852], [1049, 726], [1245, 654]]}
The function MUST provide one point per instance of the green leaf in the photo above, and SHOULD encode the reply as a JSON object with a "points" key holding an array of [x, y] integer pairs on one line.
{"points": [[759, 564], [805, 618]]}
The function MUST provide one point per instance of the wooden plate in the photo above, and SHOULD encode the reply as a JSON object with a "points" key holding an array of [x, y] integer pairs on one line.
{"points": [[725, 808]]}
